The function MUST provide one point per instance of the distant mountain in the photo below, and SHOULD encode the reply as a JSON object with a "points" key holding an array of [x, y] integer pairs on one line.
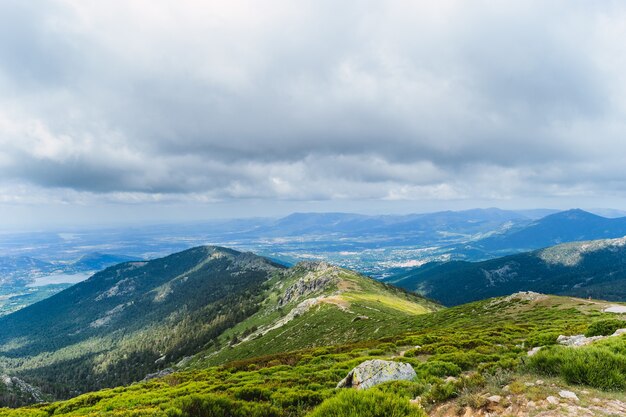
{"points": [[594, 269], [567, 226], [140, 317], [97, 261], [438, 227]]}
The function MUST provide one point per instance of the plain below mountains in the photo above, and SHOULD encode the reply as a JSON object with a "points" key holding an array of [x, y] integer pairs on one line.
{"points": [[595, 269], [141, 317]]}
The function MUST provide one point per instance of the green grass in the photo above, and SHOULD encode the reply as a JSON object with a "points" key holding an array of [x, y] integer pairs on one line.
{"points": [[601, 365], [388, 301], [371, 404], [604, 327], [367, 309], [477, 343]]}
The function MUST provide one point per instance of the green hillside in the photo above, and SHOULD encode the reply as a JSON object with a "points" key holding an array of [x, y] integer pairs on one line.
{"points": [[318, 304], [137, 318], [594, 269], [460, 355]]}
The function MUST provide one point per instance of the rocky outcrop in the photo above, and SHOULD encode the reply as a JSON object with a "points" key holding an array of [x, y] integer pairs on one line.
{"points": [[319, 277], [21, 389], [577, 340], [582, 340], [530, 296], [376, 371], [159, 374]]}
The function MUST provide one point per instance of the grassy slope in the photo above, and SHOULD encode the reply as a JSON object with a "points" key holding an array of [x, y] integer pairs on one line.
{"points": [[478, 340], [350, 309], [204, 299]]}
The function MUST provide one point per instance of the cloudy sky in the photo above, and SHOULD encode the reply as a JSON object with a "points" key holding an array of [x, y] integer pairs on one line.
{"points": [[153, 109]]}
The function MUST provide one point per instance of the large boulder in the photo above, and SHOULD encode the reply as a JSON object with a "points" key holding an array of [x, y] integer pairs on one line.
{"points": [[376, 371]]}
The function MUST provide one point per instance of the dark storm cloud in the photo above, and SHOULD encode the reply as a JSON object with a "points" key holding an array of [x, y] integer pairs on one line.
{"points": [[317, 100]]}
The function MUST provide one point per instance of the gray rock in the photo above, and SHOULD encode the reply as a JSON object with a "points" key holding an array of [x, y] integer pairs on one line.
{"points": [[577, 340], [568, 395], [552, 400], [619, 332], [494, 399], [20, 387], [376, 371], [310, 284], [581, 340], [184, 361], [159, 374], [534, 351]]}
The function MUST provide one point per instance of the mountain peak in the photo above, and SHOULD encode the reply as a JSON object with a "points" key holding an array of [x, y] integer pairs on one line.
{"points": [[314, 265], [573, 214]]}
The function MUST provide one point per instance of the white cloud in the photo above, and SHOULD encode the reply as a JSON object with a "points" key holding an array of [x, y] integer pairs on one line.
{"points": [[153, 101]]}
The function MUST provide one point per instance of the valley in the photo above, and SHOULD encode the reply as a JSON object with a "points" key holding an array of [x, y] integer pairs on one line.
{"points": [[213, 331]]}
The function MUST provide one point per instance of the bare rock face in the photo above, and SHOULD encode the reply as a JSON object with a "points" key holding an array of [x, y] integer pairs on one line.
{"points": [[582, 340], [21, 388], [319, 277], [576, 340], [568, 395], [376, 371], [159, 374]]}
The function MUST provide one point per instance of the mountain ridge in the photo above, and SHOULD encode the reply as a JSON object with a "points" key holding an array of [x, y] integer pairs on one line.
{"points": [[140, 317], [594, 269], [566, 226]]}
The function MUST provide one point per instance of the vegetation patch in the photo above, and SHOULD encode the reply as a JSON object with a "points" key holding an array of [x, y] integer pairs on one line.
{"points": [[352, 403], [601, 365]]}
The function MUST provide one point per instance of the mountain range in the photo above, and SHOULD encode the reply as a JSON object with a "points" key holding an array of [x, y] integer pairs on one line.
{"points": [[594, 269], [566, 226], [212, 331], [140, 317]]}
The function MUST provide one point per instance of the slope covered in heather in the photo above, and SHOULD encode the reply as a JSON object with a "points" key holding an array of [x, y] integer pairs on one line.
{"points": [[462, 356]]}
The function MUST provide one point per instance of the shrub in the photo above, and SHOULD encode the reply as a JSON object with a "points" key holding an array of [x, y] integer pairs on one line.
{"points": [[470, 382], [439, 368], [369, 403], [406, 389], [297, 398], [446, 349], [542, 339], [604, 327], [411, 353], [598, 367], [252, 394], [440, 392], [217, 406], [498, 378], [465, 360]]}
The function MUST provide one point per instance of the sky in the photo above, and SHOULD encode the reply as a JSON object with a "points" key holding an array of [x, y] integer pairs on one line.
{"points": [[147, 110]]}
